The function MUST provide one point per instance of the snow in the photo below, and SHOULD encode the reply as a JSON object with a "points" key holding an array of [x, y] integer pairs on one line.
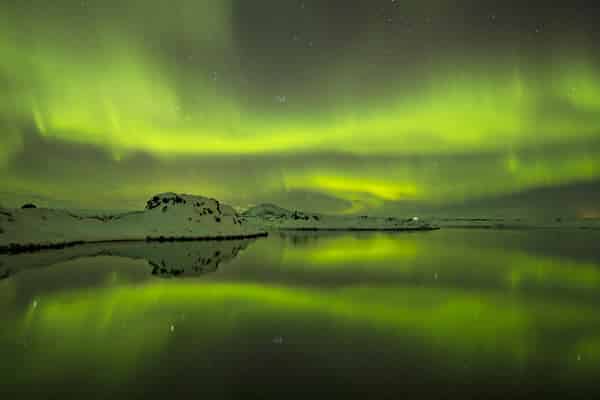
{"points": [[266, 210], [167, 215], [518, 223], [270, 216]]}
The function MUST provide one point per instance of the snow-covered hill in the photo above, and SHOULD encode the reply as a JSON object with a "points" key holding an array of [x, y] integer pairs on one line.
{"points": [[267, 210], [270, 216], [166, 216]]}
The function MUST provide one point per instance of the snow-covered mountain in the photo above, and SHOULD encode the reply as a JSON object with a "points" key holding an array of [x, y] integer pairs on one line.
{"points": [[270, 216], [267, 210], [166, 216]]}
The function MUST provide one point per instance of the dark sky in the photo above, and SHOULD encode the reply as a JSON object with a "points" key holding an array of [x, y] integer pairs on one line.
{"points": [[372, 106]]}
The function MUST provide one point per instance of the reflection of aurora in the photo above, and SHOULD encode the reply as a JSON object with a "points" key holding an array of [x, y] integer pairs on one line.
{"points": [[404, 257], [506, 308], [121, 328]]}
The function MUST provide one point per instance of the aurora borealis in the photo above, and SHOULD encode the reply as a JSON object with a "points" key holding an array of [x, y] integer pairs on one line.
{"points": [[334, 106]]}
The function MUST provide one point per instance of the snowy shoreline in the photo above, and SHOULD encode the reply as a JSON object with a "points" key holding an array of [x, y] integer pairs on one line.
{"points": [[15, 248], [172, 217], [166, 217], [272, 217]]}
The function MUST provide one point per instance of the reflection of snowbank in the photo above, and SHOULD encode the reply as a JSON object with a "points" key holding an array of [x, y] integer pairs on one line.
{"points": [[165, 259], [167, 216], [274, 217]]}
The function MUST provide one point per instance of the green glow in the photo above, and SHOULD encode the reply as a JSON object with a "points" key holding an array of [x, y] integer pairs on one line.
{"points": [[339, 252], [352, 185], [408, 257], [580, 86], [502, 330], [487, 300], [113, 87], [130, 105]]}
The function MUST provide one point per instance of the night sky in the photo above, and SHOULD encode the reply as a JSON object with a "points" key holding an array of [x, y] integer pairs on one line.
{"points": [[382, 107]]}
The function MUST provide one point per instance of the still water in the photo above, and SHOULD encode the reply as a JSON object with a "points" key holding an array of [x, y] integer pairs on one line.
{"points": [[469, 313]]}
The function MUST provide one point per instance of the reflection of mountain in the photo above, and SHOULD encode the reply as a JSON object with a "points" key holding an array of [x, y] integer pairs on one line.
{"points": [[166, 259], [181, 258]]}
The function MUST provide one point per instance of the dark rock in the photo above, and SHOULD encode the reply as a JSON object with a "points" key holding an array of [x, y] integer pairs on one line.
{"points": [[15, 248], [5, 274], [153, 203], [28, 205], [176, 272], [217, 219], [155, 268]]}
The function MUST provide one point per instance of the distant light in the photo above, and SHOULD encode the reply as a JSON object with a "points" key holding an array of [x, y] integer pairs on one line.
{"points": [[278, 340]]}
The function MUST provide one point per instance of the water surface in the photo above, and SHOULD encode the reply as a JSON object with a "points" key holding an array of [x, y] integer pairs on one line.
{"points": [[430, 314]]}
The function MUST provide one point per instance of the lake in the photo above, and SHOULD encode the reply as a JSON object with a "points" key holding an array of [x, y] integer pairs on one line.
{"points": [[451, 313]]}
